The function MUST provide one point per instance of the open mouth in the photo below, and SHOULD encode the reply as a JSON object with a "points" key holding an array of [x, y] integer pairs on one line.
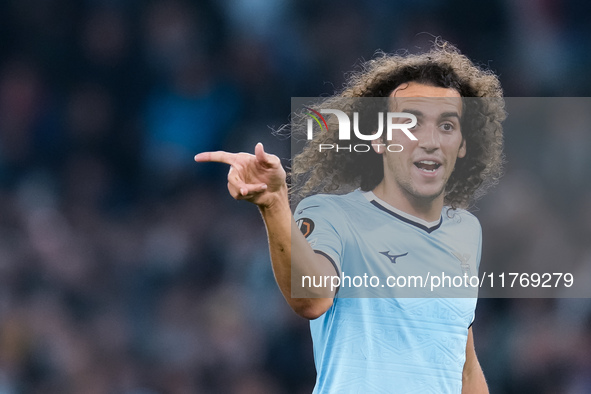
{"points": [[427, 165]]}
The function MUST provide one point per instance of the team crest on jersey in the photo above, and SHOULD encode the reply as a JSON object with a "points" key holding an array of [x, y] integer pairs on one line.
{"points": [[306, 226], [464, 262]]}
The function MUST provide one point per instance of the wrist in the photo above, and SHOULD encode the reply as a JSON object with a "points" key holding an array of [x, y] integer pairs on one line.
{"points": [[276, 201]]}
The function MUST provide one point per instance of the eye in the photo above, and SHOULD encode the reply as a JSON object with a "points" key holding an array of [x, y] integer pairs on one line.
{"points": [[448, 126], [415, 127]]}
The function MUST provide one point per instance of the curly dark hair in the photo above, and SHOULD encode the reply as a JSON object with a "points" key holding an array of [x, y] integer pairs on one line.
{"points": [[443, 66]]}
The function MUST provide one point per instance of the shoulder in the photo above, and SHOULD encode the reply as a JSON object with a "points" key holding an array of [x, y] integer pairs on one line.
{"points": [[461, 217], [322, 214], [326, 202]]}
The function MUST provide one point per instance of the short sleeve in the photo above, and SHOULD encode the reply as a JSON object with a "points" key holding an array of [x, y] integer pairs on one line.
{"points": [[321, 222], [479, 251], [478, 256]]}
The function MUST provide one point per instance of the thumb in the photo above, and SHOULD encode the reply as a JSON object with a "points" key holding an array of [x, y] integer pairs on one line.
{"points": [[259, 152]]}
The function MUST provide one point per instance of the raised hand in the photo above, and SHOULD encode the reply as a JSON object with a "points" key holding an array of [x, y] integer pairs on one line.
{"points": [[257, 178]]}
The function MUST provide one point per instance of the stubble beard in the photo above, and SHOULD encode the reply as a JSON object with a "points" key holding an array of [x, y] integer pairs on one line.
{"points": [[412, 192]]}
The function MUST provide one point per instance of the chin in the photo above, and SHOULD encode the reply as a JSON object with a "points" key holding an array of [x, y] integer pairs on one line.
{"points": [[428, 194]]}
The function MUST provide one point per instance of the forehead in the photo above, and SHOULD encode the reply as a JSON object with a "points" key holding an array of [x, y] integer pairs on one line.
{"points": [[419, 95]]}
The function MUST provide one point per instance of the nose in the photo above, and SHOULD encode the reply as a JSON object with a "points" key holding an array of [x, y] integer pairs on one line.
{"points": [[429, 138]]}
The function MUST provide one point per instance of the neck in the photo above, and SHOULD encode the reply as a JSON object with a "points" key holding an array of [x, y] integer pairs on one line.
{"points": [[428, 208]]}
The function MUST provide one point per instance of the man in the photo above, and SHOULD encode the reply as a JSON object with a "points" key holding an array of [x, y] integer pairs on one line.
{"points": [[406, 207]]}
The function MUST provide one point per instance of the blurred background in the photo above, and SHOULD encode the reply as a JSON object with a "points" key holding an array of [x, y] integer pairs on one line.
{"points": [[127, 268]]}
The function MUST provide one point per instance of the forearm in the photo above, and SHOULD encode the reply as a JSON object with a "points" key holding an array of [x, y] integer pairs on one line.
{"points": [[292, 257], [473, 381], [260, 179]]}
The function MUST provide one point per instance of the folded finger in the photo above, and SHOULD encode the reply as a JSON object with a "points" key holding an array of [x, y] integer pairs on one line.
{"points": [[247, 190]]}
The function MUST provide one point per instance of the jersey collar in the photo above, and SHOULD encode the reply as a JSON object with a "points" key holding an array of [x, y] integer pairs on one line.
{"points": [[429, 227]]}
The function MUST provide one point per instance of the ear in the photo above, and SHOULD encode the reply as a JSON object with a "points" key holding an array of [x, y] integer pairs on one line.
{"points": [[462, 151]]}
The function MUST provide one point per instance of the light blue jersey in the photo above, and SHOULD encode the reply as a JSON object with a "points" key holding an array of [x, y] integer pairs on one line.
{"points": [[390, 345]]}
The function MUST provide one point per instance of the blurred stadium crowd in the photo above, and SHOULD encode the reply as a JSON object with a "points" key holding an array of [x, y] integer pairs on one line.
{"points": [[126, 268]]}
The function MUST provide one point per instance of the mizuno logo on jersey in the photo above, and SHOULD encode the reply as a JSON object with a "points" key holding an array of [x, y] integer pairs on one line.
{"points": [[393, 257]]}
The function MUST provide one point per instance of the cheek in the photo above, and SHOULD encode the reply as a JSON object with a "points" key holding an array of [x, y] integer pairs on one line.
{"points": [[382, 145], [454, 146], [397, 161], [400, 138]]}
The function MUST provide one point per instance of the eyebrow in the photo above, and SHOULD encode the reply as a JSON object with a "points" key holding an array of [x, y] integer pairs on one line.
{"points": [[444, 115]]}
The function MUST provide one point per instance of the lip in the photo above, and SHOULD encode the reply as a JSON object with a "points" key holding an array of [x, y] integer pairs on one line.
{"points": [[426, 174], [427, 158]]}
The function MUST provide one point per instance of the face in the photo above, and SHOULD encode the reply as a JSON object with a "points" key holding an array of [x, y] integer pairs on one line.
{"points": [[421, 170]]}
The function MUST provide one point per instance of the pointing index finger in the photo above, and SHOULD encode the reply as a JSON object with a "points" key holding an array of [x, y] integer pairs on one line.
{"points": [[219, 157]]}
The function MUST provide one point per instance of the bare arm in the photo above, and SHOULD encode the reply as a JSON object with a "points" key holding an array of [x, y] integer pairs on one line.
{"points": [[473, 381], [260, 179]]}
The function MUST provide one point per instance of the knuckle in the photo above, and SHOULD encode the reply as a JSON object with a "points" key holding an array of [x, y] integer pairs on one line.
{"points": [[232, 190]]}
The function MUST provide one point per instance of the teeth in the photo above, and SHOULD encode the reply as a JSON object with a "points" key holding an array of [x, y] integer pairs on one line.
{"points": [[427, 165]]}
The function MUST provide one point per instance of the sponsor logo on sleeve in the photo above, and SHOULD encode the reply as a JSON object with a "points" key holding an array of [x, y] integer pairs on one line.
{"points": [[306, 226]]}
